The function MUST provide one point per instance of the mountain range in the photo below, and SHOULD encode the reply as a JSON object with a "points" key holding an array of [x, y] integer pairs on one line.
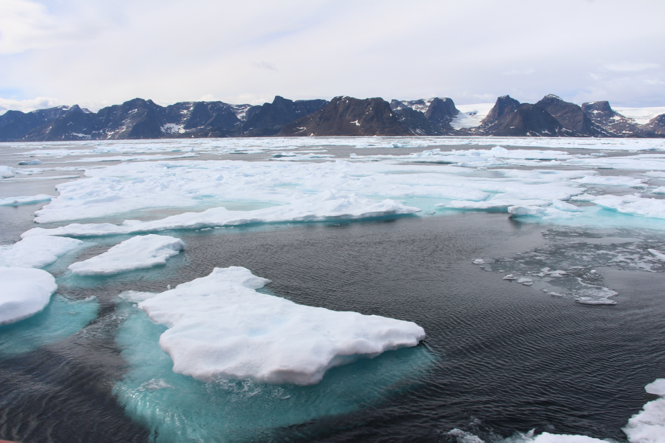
{"points": [[342, 116]]}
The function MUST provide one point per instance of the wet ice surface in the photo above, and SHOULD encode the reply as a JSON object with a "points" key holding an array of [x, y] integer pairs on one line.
{"points": [[534, 322]]}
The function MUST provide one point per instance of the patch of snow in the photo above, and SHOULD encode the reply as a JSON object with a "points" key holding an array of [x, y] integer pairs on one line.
{"points": [[641, 115]]}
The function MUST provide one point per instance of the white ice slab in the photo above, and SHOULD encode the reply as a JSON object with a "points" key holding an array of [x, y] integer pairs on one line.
{"points": [[221, 327], [36, 252], [648, 425], [24, 200], [633, 205], [139, 252], [327, 205], [23, 293], [6, 171]]}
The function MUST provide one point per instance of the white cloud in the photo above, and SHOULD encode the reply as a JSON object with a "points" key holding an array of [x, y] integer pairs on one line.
{"points": [[28, 105], [631, 66], [240, 52]]}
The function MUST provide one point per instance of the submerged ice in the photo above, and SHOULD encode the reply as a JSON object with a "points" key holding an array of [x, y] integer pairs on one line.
{"points": [[220, 327]]}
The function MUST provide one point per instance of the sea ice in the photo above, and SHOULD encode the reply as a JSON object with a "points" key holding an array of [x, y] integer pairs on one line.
{"points": [[138, 252], [327, 205], [633, 205], [24, 200], [648, 425], [6, 171], [36, 252], [221, 327], [23, 293]]}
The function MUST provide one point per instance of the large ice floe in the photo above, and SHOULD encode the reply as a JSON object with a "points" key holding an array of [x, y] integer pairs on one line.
{"points": [[37, 252], [327, 205], [138, 252], [23, 293], [220, 327]]}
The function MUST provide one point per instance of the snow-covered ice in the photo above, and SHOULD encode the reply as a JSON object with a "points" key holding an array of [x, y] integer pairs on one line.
{"points": [[328, 205], [221, 327], [138, 252], [648, 425], [36, 252], [6, 171], [23, 293]]}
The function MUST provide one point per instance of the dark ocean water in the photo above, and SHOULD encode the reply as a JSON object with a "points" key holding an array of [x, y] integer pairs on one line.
{"points": [[506, 358]]}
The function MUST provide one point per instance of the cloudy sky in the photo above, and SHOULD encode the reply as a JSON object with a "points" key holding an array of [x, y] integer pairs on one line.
{"points": [[101, 52]]}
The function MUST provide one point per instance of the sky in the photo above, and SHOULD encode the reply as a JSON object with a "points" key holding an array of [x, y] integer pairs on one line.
{"points": [[96, 53]]}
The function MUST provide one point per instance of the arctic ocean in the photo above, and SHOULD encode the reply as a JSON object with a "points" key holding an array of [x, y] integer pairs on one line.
{"points": [[333, 289]]}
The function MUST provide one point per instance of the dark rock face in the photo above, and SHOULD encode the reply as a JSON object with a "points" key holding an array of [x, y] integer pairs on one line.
{"points": [[504, 104], [612, 123], [348, 116], [656, 125], [16, 124], [426, 117], [344, 116], [144, 119], [570, 115], [526, 120], [269, 118]]}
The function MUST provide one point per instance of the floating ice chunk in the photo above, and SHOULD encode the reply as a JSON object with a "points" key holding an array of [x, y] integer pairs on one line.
{"points": [[36, 252], [659, 255], [526, 210], [136, 253], [6, 171], [23, 293], [648, 425], [525, 281], [546, 437], [563, 206], [24, 200], [594, 295], [478, 261], [659, 190], [510, 277], [30, 162], [633, 205], [327, 205], [221, 327]]}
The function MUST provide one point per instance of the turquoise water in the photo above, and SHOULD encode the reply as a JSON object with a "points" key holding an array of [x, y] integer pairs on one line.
{"points": [[60, 319], [177, 408]]}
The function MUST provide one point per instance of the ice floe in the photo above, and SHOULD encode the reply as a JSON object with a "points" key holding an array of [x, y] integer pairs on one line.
{"points": [[328, 205], [138, 252], [648, 425], [23, 293], [6, 171], [633, 205], [36, 252], [25, 200], [221, 327]]}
